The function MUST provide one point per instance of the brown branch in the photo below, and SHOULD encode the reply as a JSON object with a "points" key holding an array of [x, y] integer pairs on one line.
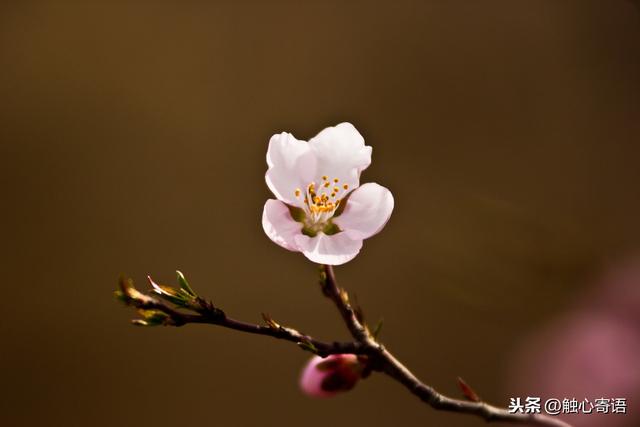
{"points": [[386, 362], [156, 312], [340, 298], [396, 370], [207, 313]]}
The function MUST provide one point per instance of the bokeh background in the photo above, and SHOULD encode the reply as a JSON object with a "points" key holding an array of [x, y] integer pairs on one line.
{"points": [[133, 139]]}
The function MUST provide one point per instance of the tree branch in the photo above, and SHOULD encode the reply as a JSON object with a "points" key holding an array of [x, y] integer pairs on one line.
{"points": [[396, 370], [384, 361], [340, 298], [156, 312]]}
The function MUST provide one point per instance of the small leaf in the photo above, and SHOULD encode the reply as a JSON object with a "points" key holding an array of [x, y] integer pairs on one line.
{"points": [[126, 286], [154, 317], [120, 296], [173, 295], [269, 321], [128, 291], [140, 322], [182, 281], [468, 392], [378, 328], [308, 346]]}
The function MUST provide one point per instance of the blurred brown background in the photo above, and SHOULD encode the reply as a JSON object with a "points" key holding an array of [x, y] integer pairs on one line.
{"points": [[133, 139]]}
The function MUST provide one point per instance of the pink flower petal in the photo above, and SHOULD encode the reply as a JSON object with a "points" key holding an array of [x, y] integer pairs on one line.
{"points": [[279, 226], [292, 165], [367, 211], [326, 377], [341, 153], [331, 250]]}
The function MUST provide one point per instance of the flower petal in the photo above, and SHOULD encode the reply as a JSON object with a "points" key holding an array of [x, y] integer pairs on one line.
{"points": [[341, 153], [367, 211], [311, 379], [279, 226], [292, 165], [331, 250], [326, 377]]}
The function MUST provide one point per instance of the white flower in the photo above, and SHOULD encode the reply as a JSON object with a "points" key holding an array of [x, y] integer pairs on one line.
{"points": [[321, 210]]}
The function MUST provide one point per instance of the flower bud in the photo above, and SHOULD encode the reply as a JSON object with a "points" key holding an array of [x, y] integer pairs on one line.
{"points": [[325, 377]]}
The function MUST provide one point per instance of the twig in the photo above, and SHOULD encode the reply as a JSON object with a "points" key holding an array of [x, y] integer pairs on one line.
{"points": [[207, 313], [156, 312], [386, 362], [340, 298]]}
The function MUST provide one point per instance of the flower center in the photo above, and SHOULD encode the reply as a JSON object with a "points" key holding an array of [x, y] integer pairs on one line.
{"points": [[320, 203]]}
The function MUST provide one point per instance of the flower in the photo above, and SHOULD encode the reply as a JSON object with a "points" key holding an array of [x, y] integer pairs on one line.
{"points": [[321, 210], [331, 375]]}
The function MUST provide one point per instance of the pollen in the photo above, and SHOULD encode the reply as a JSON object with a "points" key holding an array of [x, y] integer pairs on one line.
{"points": [[346, 186], [298, 192], [321, 201]]}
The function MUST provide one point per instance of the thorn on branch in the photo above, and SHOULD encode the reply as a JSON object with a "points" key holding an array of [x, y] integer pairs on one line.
{"points": [[467, 391]]}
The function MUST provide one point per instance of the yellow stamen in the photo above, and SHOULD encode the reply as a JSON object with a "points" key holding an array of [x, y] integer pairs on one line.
{"points": [[317, 200]]}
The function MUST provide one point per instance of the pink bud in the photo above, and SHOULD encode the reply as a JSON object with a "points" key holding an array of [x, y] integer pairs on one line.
{"points": [[325, 377]]}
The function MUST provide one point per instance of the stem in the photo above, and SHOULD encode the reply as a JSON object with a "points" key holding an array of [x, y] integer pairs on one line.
{"points": [[202, 311], [341, 300], [386, 362], [207, 313]]}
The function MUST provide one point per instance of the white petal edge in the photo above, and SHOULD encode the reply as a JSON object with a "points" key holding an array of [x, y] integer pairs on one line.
{"points": [[341, 153], [367, 211], [279, 226], [331, 250], [292, 165]]}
